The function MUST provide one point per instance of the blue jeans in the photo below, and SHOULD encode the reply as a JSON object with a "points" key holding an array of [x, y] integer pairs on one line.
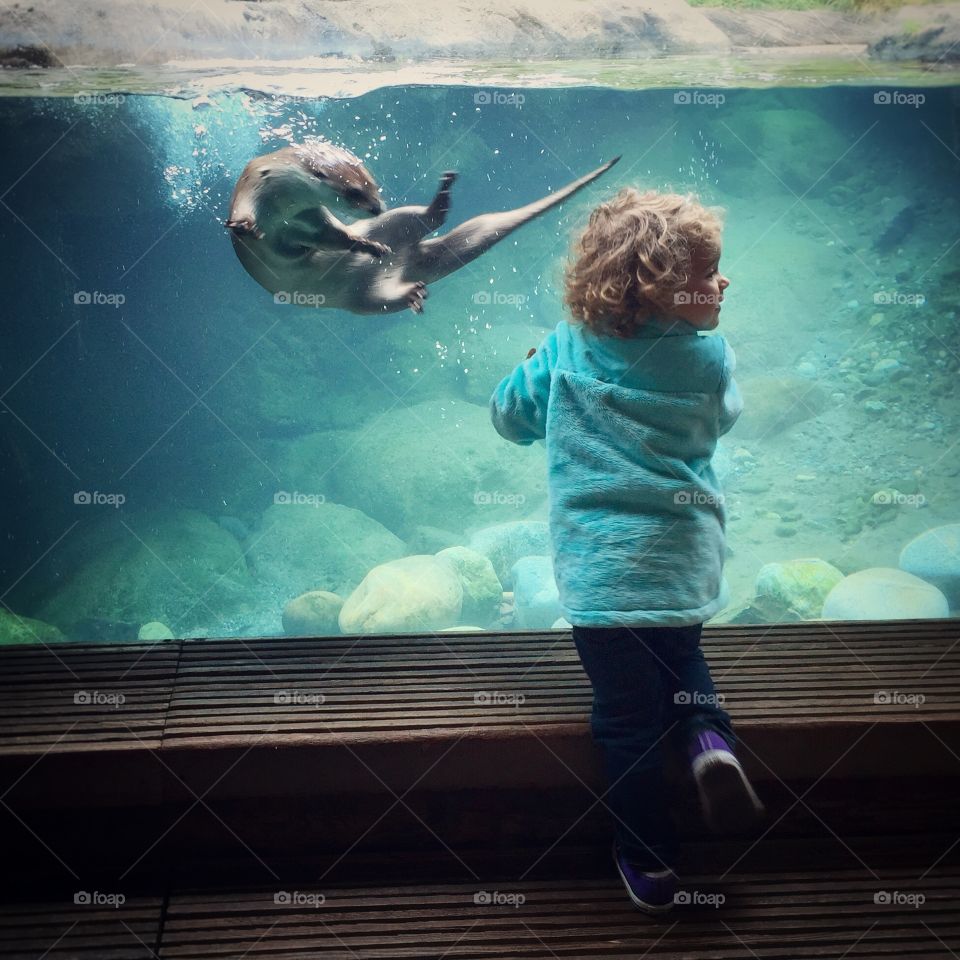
{"points": [[650, 684]]}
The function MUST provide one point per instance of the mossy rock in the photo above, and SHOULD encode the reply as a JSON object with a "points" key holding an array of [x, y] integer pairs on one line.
{"points": [[801, 585], [408, 595], [505, 543], [313, 614], [482, 592], [15, 629], [176, 566], [299, 547]]}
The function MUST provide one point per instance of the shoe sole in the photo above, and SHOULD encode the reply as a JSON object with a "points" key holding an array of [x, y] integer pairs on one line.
{"points": [[652, 908], [728, 802]]}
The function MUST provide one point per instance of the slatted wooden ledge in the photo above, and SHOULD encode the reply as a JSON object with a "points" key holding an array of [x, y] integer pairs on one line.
{"points": [[450, 710], [218, 757], [795, 901]]}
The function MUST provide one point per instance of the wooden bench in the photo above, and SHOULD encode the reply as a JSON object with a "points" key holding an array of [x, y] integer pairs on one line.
{"points": [[265, 739]]}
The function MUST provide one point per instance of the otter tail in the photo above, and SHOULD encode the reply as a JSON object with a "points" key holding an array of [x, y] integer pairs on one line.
{"points": [[440, 256]]}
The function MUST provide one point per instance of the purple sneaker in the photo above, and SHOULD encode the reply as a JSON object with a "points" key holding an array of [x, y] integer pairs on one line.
{"points": [[727, 800], [651, 892]]}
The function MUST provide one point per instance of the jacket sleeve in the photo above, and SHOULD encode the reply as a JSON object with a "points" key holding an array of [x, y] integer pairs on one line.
{"points": [[731, 402], [518, 407]]}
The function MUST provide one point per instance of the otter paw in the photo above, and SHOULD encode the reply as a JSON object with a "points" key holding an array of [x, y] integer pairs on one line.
{"points": [[416, 296], [375, 247], [440, 205]]}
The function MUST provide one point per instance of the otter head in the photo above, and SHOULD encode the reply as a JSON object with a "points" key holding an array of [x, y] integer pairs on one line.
{"points": [[342, 173]]}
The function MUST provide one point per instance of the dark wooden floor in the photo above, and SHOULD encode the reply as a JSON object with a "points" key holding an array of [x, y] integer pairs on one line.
{"points": [[402, 776], [805, 900]]}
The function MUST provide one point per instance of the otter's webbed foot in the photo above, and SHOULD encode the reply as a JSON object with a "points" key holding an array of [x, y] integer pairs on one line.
{"points": [[373, 247], [416, 295], [245, 227], [390, 294], [440, 205]]}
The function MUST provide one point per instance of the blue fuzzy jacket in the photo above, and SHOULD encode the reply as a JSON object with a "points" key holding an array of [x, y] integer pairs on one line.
{"points": [[636, 512]]}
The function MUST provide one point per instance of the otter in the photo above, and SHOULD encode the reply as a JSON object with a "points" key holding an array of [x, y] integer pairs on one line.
{"points": [[286, 230]]}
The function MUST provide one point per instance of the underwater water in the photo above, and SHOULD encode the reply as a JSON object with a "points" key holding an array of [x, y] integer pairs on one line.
{"points": [[182, 451]]}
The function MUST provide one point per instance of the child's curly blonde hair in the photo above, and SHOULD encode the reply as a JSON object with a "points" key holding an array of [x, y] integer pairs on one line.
{"points": [[634, 254]]}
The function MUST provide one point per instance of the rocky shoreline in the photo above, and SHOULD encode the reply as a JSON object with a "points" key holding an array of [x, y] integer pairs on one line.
{"points": [[111, 33]]}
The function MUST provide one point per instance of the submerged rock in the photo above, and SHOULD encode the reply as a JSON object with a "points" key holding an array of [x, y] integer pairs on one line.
{"points": [[315, 613], [884, 593], [408, 595], [505, 543], [299, 547], [438, 462], [15, 629], [155, 630], [482, 592], [898, 216], [104, 630], [235, 526], [934, 556], [801, 585], [885, 370], [426, 539], [535, 596], [178, 566]]}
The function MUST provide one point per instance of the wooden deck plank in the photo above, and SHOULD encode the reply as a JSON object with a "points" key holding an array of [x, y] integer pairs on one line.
{"points": [[827, 911], [792, 900], [190, 693], [64, 929]]}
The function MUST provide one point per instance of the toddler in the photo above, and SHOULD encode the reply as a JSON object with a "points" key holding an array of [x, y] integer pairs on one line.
{"points": [[631, 400]]}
